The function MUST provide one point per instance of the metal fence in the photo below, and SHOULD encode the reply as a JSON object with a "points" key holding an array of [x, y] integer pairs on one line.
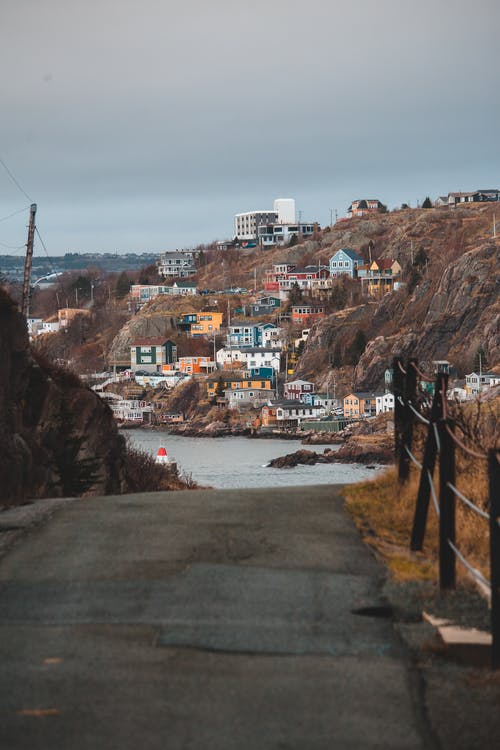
{"points": [[441, 443]]}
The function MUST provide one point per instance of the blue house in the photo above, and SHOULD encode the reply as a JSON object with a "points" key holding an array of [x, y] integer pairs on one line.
{"points": [[242, 333], [345, 262]]}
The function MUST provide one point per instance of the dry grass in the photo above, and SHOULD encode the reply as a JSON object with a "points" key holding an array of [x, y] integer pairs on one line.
{"points": [[383, 510]]}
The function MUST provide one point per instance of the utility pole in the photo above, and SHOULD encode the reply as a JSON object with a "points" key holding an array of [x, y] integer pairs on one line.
{"points": [[494, 226], [29, 261]]}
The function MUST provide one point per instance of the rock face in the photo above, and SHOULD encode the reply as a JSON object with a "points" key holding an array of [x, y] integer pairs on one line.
{"points": [[58, 438], [153, 325], [448, 316]]}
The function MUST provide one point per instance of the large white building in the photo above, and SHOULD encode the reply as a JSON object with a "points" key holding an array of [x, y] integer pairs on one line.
{"points": [[246, 225]]}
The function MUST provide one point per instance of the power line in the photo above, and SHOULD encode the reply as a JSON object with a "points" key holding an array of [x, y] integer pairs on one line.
{"points": [[15, 213], [14, 179]]}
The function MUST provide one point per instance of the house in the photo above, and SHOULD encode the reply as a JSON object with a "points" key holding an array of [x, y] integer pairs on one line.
{"points": [[183, 288], [201, 323], [288, 413], [193, 365], [295, 389], [302, 277], [242, 333], [264, 306], [274, 275], [345, 263], [126, 410], [364, 206], [477, 196], [307, 314], [145, 292], [477, 383], [235, 381], [329, 403], [241, 397], [381, 276], [384, 402], [361, 404], [150, 354], [51, 325], [178, 264], [35, 326], [248, 357], [272, 233]]}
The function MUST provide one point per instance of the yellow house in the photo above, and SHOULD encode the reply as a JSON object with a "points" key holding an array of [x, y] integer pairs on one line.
{"points": [[381, 276], [235, 381], [206, 323], [357, 404]]}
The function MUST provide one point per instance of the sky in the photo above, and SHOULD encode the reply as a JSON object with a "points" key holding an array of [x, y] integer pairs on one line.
{"points": [[145, 125]]}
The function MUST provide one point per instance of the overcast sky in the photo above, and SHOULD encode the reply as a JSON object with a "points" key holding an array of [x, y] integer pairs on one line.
{"points": [[140, 125]]}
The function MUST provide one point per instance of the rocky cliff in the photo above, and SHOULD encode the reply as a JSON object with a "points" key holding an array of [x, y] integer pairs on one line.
{"points": [[58, 438], [453, 310]]}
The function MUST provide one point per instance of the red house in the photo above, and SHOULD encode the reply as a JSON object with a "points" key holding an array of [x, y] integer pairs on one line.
{"points": [[307, 314]]}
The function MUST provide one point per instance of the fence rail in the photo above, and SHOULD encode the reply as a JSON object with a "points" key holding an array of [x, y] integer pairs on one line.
{"points": [[441, 443]]}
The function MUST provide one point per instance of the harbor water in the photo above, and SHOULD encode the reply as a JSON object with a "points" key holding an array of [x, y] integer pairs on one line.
{"points": [[233, 462]]}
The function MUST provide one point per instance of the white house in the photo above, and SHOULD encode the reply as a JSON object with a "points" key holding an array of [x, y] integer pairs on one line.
{"points": [[249, 357], [384, 402], [290, 411], [476, 383], [177, 264]]}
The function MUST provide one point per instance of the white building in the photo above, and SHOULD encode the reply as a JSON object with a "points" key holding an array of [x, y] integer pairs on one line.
{"points": [[177, 264], [384, 402], [246, 225], [477, 383], [280, 233], [285, 209], [250, 357]]}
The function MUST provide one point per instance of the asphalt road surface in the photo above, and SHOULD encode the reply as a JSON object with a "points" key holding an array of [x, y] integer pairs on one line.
{"points": [[214, 620]]}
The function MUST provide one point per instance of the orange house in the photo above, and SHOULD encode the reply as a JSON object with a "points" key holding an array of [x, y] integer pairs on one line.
{"points": [[206, 323]]}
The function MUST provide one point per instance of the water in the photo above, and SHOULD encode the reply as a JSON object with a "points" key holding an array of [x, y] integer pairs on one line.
{"points": [[234, 462]]}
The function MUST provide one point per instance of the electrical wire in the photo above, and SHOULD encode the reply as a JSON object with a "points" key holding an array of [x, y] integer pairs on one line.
{"points": [[4, 165], [15, 213]]}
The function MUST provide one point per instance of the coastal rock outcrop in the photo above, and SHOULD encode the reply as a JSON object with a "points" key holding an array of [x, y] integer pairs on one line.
{"points": [[58, 438]]}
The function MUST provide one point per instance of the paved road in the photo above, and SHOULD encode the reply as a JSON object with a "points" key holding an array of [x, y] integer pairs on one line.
{"points": [[208, 620]]}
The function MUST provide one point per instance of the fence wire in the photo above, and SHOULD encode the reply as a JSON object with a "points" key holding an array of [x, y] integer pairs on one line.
{"points": [[476, 573], [417, 463], [468, 502], [433, 493]]}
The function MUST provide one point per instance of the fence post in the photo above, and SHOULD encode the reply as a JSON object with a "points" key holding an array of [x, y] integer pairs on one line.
{"points": [[428, 464], [447, 562], [398, 384], [494, 484], [410, 391]]}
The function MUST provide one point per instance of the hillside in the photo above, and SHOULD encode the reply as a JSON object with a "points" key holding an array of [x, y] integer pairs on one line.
{"points": [[448, 308]]}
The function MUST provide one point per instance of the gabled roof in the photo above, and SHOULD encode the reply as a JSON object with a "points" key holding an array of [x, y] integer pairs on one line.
{"points": [[384, 263], [352, 254], [184, 284]]}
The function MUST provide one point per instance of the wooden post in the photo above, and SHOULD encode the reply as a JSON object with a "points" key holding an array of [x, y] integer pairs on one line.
{"points": [[398, 388], [428, 464], [410, 391], [494, 482], [28, 262], [447, 562]]}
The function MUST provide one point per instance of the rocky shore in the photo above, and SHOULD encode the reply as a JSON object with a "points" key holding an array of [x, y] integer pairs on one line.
{"points": [[351, 452]]}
